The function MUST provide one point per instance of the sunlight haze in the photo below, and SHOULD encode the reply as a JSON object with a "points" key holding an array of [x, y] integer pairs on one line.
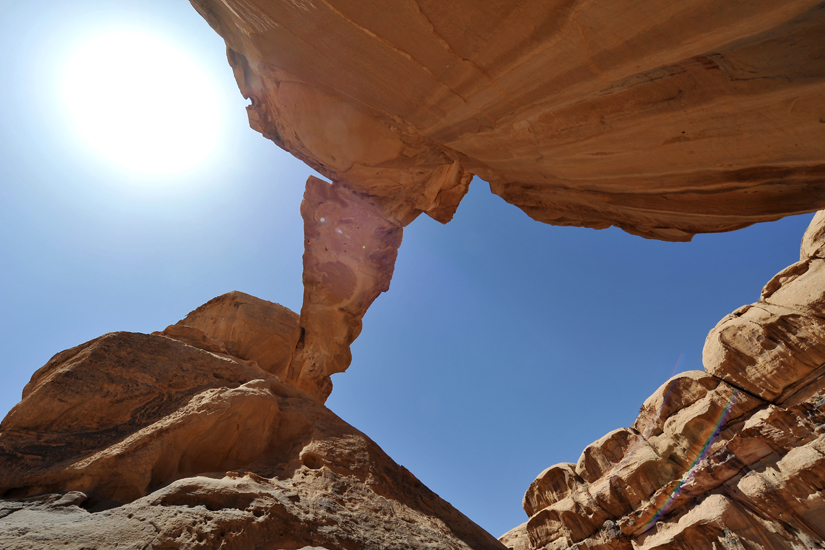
{"points": [[138, 101]]}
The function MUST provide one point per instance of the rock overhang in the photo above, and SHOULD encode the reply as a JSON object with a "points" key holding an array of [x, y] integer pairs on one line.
{"points": [[701, 119]]}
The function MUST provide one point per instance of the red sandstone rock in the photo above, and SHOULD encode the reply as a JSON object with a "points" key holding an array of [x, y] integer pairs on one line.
{"points": [[349, 256], [244, 326], [516, 538], [663, 119], [775, 348], [682, 390], [552, 485], [813, 243]]}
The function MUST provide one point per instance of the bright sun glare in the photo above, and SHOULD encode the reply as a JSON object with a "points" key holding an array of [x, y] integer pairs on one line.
{"points": [[141, 103]]}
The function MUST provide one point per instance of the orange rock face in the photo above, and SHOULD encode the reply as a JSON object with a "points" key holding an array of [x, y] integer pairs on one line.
{"points": [[663, 119], [733, 457], [775, 348], [153, 441], [244, 327]]}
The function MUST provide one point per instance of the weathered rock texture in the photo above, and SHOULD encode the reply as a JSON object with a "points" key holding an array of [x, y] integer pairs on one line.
{"points": [[728, 458], [350, 247], [349, 257], [663, 118], [171, 440], [243, 327]]}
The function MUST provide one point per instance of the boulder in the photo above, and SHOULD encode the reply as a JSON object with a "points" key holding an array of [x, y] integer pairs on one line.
{"points": [[552, 485], [775, 348], [243, 326]]}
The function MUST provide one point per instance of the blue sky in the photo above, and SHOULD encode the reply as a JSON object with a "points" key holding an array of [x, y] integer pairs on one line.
{"points": [[503, 346]]}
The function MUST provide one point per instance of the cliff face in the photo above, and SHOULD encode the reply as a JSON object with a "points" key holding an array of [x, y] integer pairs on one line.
{"points": [[181, 440], [730, 457], [665, 119]]}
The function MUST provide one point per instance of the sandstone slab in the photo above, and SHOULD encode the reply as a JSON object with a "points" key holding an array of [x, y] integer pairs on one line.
{"points": [[662, 119]]}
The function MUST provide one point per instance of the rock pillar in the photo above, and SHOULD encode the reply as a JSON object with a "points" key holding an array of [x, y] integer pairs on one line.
{"points": [[349, 257]]}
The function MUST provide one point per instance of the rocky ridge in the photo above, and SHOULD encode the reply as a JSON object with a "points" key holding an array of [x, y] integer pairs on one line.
{"points": [[180, 439], [730, 457]]}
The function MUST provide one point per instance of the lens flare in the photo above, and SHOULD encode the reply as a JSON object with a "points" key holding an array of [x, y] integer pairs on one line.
{"points": [[645, 432], [723, 415]]}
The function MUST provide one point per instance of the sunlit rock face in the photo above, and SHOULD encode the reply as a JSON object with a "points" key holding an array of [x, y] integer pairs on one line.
{"points": [[243, 327], [170, 440], [730, 457], [663, 118]]}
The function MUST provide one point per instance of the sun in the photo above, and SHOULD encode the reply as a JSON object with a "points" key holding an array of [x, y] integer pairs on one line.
{"points": [[138, 101]]}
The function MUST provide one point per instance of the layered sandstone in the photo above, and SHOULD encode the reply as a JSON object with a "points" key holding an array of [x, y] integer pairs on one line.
{"points": [[171, 440], [729, 457], [665, 119]]}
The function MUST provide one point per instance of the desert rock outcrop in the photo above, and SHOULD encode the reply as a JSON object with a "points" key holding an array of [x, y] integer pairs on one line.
{"points": [[244, 327], [171, 441], [663, 119], [730, 457]]}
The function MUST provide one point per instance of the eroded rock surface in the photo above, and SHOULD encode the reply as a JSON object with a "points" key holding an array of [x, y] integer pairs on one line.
{"points": [[665, 119], [775, 348], [244, 327], [350, 249], [171, 441], [731, 457]]}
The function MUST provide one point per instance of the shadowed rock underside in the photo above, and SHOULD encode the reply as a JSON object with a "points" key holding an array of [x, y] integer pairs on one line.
{"points": [[664, 119]]}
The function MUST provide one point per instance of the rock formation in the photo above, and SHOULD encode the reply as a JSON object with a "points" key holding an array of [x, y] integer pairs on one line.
{"points": [[665, 119], [700, 118], [731, 457], [662, 118], [349, 256], [181, 440]]}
